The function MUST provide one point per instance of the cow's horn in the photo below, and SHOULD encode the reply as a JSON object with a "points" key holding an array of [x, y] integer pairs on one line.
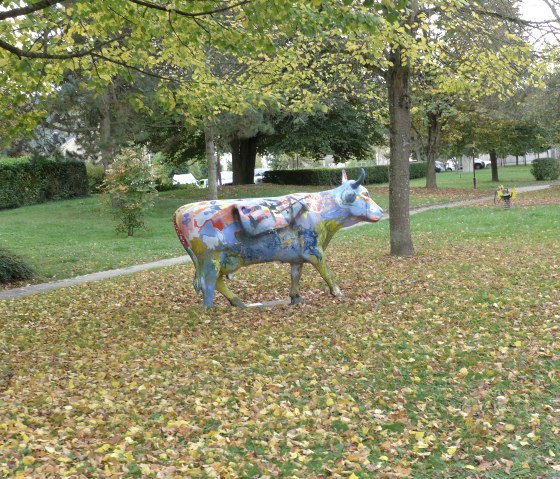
{"points": [[359, 181]]}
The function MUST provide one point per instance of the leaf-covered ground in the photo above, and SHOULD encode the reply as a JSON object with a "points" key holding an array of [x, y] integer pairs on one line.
{"points": [[445, 365]]}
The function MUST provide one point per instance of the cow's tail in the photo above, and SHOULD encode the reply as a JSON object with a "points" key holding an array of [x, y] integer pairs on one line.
{"points": [[185, 243]]}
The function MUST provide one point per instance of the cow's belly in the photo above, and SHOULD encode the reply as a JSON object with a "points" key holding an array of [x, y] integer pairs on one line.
{"points": [[279, 245]]}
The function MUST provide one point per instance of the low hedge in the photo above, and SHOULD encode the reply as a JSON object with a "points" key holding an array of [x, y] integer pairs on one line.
{"points": [[332, 176], [39, 180], [545, 169]]}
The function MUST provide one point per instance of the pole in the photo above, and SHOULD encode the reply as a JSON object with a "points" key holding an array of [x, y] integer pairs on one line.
{"points": [[473, 171]]}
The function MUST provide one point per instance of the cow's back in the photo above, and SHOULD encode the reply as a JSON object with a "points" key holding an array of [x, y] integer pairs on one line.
{"points": [[235, 225], [206, 224]]}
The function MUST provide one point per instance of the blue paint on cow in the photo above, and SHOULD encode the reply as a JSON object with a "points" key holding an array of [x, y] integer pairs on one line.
{"points": [[309, 241]]}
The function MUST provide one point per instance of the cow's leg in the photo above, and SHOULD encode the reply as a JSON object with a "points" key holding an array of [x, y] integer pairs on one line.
{"points": [[294, 288], [321, 267], [208, 277], [221, 286]]}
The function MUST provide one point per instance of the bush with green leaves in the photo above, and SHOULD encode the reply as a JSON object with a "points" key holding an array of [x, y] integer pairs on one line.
{"points": [[331, 176], [129, 189], [544, 169], [13, 268]]}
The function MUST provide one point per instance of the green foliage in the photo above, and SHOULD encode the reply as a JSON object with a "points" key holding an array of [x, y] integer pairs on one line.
{"points": [[347, 131], [546, 169], [95, 175], [332, 176], [129, 189], [41, 179], [13, 268], [4, 160], [164, 172]]}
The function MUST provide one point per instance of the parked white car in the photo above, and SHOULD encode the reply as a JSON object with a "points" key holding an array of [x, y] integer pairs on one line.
{"points": [[480, 164], [185, 179], [451, 165]]}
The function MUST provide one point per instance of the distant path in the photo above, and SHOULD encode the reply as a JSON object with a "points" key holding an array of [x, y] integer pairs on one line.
{"points": [[101, 275]]}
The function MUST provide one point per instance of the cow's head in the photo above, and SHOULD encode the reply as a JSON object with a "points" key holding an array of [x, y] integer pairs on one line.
{"points": [[354, 198]]}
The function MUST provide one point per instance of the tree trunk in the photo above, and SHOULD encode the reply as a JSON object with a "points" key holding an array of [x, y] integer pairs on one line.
{"points": [[398, 87], [236, 165], [418, 147], [434, 130], [105, 130], [244, 157], [212, 170], [494, 165]]}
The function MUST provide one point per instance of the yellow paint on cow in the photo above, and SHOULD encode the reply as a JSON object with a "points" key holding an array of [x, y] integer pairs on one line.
{"points": [[325, 231], [198, 247]]}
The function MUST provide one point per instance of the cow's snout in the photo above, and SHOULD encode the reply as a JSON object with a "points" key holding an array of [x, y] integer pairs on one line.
{"points": [[373, 211]]}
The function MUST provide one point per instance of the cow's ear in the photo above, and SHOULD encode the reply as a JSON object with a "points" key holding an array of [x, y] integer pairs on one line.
{"points": [[344, 177]]}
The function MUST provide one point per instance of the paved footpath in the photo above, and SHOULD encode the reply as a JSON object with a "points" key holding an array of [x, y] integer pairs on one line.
{"points": [[101, 275]]}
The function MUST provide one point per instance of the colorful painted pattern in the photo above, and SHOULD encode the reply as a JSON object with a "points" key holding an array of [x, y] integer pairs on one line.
{"points": [[222, 236]]}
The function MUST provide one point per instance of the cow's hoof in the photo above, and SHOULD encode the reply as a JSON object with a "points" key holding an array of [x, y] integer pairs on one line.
{"points": [[237, 302], [337, 293], [296, 300]]}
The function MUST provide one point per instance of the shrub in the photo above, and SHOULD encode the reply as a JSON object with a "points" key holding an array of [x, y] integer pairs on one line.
{"points": [[13, 268], [95, 176], [546, 169], [331, 176], [129, 189], [41, 179]]}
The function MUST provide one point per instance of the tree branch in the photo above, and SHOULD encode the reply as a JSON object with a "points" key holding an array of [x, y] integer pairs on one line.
{"points": [[553, 8], [66, 129], [132, 67], [155, 6], [41, 5], [56, 56], [513, 19]]}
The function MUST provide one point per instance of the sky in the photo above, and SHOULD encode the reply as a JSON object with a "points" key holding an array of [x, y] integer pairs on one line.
{"points": [[538, 11], [535, 10]]}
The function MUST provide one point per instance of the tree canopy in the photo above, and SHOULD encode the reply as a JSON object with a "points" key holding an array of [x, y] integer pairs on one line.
{"points": [[237, 59]]}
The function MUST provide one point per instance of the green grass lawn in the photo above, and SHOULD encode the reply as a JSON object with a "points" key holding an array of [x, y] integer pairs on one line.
{"points": [[508, 175], [444, 365], [73, 237]]}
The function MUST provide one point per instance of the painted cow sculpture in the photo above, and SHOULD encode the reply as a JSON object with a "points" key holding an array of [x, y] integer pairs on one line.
{"points": [[222, 236]]}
